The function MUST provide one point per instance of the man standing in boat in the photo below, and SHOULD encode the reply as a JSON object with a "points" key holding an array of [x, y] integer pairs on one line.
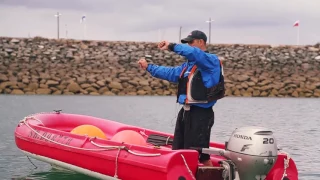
{"points": [[200, 84]]}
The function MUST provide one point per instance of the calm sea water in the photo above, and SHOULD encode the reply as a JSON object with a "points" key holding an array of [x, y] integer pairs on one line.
{"points": [[296, 123]]}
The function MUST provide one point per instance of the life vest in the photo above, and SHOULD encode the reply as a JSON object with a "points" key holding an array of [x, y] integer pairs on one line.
{"points": [[193, 86]]}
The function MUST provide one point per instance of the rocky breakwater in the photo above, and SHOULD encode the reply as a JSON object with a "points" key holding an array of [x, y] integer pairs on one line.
{"points": [[48, 66], [281, 71]]}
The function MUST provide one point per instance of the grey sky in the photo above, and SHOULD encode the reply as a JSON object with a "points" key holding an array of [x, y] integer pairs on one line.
{"points": [[236, 21]]}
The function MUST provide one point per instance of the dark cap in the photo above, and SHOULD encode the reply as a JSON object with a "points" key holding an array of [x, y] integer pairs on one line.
{"points": [[196, 34]]}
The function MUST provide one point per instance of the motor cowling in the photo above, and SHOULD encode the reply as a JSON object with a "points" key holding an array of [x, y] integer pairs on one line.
{"points": [[253, 150]]}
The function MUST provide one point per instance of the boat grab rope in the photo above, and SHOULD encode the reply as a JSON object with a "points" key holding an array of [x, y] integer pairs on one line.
{"points": [[138, 154], [116, 163], [103, 148], [186, 164], [286, 164]]}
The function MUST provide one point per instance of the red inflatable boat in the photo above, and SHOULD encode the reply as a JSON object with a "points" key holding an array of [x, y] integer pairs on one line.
{"points": [[107, 149]]}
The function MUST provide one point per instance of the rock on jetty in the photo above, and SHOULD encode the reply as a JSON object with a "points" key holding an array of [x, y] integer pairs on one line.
{"points": [[49, 66]]}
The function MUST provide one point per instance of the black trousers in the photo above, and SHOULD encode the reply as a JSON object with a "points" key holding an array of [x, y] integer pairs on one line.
{"points": [[193, 129]]}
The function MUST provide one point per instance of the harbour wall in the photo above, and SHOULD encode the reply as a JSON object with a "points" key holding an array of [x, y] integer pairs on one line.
{"points": [[65, 66]]}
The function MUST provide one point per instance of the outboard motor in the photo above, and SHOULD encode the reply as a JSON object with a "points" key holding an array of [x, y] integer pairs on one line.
{"points": [[253, 150]]}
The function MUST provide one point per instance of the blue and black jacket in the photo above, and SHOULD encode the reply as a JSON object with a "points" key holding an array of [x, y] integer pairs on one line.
{"points": [[208, 64]]}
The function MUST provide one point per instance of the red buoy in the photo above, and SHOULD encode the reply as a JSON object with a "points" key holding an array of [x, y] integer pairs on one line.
{"points": [[129, 137]]}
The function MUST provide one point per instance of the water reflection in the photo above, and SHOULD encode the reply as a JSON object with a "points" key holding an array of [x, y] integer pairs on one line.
{"points": [[55, 173]]}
